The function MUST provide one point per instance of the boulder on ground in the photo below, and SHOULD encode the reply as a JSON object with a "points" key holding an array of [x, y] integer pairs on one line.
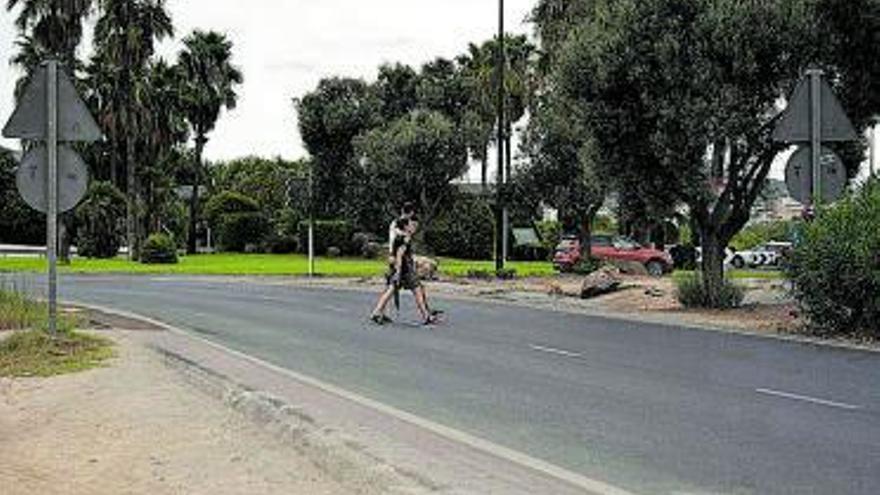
{"points": [[602, 281]]}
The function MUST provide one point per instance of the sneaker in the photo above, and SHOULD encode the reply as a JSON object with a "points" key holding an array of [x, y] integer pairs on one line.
{"points": [[386, 319], [379, 319]]}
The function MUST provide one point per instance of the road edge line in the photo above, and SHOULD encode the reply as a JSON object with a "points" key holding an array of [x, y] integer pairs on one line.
{"points": [[449, 433]]}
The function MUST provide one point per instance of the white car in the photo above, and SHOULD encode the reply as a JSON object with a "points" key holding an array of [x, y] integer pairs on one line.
{"points": [[767, 254]]}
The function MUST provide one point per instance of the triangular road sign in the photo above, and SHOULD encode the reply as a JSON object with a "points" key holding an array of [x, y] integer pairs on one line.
{"points": [[29, 121], [795, 124]]}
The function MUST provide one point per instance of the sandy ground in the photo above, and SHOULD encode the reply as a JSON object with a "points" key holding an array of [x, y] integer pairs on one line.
{"points": [[136, 427]]}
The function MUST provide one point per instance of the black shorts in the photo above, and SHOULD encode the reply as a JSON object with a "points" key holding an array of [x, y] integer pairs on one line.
{"points": [[409, 280]]}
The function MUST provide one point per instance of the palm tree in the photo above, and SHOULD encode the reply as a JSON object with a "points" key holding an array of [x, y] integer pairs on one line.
{"points": [[481, 70], [210, 84], [165, 131], [125, 38], [53, 27]]}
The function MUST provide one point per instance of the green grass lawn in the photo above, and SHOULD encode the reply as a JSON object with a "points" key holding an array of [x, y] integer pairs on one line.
{"points": [[36, 353], [261, 264], [298, 265], [31, 351]]}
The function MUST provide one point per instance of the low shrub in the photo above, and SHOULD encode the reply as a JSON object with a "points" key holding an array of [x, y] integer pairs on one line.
{"points": [[691, 293], [159, 249], [835, 267], [281, 244], [361, 244], [372, 250]]}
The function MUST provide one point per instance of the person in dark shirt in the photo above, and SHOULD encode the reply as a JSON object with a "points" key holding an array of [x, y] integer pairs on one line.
{"points": [[403, 275]]}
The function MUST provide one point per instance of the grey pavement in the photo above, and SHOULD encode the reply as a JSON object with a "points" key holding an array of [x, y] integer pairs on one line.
{"points": [[647, 407]]}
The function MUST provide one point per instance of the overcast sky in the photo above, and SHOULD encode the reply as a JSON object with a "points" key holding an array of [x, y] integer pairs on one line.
{"points": [[284, 47]]}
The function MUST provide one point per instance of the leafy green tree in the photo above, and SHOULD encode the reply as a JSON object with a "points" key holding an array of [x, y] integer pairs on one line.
{"points": [[413, 159], [563, 168], [330, 118], [397, 87], [19, 224], [277, 185], [444, 89], [211, 82], [662, 82]]}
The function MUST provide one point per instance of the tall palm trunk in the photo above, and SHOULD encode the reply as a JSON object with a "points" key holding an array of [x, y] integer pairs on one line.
{"points": [[201, 140], [131, 179]]}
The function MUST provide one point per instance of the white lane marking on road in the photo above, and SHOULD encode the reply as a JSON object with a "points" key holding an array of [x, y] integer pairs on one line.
{"points": [[558, 352], [804, 398], [589, 484]]}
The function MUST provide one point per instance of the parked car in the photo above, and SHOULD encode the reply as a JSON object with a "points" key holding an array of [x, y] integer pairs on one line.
{"points": [[768, 254], [614, 249]]}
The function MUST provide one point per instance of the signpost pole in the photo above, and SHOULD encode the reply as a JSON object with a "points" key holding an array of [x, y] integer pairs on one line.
{"points": [[311, 219], [52, 192], [815, 134], [500, 209]]}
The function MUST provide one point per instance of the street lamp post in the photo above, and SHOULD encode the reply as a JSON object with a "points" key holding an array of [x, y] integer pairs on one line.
{"points": [[500, 210]]}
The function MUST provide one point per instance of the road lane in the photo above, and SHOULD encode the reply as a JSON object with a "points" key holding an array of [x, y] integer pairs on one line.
{"points": [[651, 408]]}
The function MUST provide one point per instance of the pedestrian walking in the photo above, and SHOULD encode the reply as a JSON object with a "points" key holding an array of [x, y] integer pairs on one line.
{"points": [[403, 275]]}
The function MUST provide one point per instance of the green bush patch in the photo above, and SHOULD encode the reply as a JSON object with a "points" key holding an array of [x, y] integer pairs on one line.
{"points": [[34, 353], [691, 293], [159, 249], [836, 267]]}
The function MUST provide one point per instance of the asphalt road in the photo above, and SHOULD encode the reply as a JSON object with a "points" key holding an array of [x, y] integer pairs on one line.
{"points": [[650, 408]]}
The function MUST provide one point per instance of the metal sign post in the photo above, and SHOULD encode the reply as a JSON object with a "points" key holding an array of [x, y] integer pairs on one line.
{"points": [[500, 208], [52, 193], [50, 111], [815, 76]]}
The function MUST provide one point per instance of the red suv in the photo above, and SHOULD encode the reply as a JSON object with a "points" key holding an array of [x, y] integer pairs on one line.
{"points": [[612, 248]]}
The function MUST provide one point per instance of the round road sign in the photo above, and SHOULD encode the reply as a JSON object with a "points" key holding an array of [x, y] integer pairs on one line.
{"points": [[799, 175], [32, 176]]}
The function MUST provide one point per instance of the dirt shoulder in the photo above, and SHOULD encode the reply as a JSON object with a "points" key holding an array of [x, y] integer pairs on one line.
{"points": [[137, 427]]}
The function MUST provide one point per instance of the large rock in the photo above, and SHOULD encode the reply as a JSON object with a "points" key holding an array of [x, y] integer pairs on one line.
{"points": [[602, 281], [426, 268]]}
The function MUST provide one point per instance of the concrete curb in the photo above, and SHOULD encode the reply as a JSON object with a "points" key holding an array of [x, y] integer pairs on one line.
{"points": [[589, 485], [327, 449]]}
